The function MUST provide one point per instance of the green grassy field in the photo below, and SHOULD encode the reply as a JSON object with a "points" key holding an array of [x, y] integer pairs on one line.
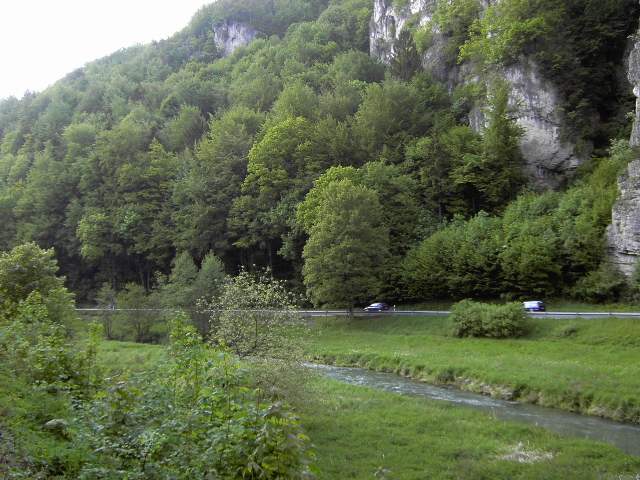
{"points": [[115, 357], [588, 366], [360, 433]]}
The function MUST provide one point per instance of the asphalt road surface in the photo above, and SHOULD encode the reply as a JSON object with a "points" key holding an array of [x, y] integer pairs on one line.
{"points": [[444, 313], [411, 313]]}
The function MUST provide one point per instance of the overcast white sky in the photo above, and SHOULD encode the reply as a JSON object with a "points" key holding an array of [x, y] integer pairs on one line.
{"points": [[43, 40]]}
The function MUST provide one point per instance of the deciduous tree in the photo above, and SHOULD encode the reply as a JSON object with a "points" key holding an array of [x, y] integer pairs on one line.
{"points": [[347, 247]]}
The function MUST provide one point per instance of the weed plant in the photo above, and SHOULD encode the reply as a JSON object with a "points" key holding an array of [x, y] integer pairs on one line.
{"points": [[194, 416], [192, 412]]}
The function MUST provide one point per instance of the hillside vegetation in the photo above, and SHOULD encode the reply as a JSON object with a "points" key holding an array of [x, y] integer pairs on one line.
{"points": [[72, 409], [300, 141]]}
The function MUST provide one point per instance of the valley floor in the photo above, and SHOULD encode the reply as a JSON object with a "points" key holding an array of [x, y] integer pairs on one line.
{"points": [[361, 433], [586, 366]]}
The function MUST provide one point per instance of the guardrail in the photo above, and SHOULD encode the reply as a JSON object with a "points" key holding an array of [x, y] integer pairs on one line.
{"points": [[592, 315], [407, 313]]}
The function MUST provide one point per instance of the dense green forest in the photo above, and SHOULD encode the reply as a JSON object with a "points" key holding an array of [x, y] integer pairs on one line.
{"points": [[216, 195], [302, 154]]}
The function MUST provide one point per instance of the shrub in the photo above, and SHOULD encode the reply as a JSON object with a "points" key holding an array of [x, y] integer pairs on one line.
{"points": [[35, 310], [193, 416], [467, 319], [139, 321], [254, 317], [605, 284], [567, 330], [474, 319], [28, 269]]}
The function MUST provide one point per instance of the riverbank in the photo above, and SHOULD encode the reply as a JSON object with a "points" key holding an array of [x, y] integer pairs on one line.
{"points": [[363, 433], [358, 432], [585, 366]]}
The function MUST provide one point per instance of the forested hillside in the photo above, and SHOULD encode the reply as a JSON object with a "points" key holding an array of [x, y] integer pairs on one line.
{"points": [[300, 152]]}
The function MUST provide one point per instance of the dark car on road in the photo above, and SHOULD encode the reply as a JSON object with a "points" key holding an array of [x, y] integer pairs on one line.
{"points": [[377, 307]]}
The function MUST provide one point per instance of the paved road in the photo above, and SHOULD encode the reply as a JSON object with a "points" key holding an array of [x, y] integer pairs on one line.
{"points": [[592, 315], [444, 313], [410, 313]]}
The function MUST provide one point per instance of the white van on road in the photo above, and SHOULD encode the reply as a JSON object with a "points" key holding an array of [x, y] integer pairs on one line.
{"points": [[534, 306]]}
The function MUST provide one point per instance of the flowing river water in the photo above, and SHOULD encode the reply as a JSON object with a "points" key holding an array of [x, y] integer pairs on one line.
{"points": [[624, 436]]}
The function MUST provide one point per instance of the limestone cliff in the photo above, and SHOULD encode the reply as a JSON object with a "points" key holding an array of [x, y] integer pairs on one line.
{"points": [[634, 78], [230, 35], [549, 159], [623, 235], [387, 23]]}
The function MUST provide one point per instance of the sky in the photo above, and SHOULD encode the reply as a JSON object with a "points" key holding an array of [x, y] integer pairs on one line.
{"points": [[43, 40]]}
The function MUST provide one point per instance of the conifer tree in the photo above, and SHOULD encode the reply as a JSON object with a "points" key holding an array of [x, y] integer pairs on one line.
{"points": [[405, 60]]}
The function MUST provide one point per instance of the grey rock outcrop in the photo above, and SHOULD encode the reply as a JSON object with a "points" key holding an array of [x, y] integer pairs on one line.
{"points": [[634, 78], [230, 35], [387, 23], [58, 426], [550, 160], [623, 235]]}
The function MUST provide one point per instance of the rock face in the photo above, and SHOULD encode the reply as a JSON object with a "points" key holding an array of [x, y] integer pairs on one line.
{"points": [[388, 21], [623, 235], [549, 159], [634, 78], [230, 35]]}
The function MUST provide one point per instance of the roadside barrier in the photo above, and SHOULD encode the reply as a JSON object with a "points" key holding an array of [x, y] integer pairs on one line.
{"points": [[407, 313]]}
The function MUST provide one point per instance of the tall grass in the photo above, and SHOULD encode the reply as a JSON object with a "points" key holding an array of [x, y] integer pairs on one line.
{"points": [[361, 433], [587, 366]]}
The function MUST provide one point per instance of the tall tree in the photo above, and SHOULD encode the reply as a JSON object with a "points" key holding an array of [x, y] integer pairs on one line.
{"points": [[400, 212], [346, 251], [493, 176], [405, 61], [27, 270], [205, 194]]}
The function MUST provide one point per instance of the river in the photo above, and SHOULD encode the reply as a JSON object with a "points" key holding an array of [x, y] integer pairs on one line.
{"points": [[624, 436]]}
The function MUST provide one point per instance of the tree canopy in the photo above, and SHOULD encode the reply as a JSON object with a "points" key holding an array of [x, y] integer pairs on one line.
{"points": [[169, 151]]}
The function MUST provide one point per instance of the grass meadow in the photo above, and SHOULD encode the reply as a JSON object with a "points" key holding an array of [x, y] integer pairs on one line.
{"points": [[587, 366], [361, 433]]}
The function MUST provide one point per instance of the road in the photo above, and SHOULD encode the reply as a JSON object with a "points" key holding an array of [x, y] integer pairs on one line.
{"points": [[408, 313], [444, 313]]}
